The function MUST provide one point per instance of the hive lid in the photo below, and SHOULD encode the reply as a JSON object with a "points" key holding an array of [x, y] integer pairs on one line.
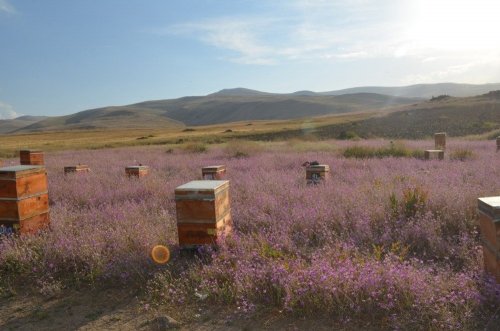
{"points": [[214, 167], [141, 167], [31, 151], [434, 150], [80, 166], [319, 167], [490, 206], [20, 170], [203, 185]]}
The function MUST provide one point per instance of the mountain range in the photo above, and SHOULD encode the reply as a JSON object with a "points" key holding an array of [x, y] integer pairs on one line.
{"points": [[240, 104]]}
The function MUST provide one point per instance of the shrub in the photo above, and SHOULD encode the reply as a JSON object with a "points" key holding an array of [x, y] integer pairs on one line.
{"points": [[461, 154], [348, 135], [239, 148], [195, 147], [393, 150]]}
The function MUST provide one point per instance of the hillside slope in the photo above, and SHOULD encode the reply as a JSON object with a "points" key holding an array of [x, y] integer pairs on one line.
{"points": [[423, 90], [104, 118], [216, 109], [456, 116], [7, 126]]}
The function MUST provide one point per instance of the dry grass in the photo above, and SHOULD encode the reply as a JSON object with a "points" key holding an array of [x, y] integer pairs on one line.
{"points": [[97, 139]]}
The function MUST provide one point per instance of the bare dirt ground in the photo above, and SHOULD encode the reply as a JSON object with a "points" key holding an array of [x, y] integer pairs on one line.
{"points": [[121, 309]]}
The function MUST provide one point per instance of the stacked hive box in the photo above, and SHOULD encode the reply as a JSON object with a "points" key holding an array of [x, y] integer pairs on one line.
{"points": [[76, 169], [440, 140], [24, 201], [203, 211], [434, 154], [217, 172], [489, 224], [31, 157], [316, 173], [137, 171]]}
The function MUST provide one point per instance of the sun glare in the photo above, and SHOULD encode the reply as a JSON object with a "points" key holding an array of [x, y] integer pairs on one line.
{"points": [[456, 25]]}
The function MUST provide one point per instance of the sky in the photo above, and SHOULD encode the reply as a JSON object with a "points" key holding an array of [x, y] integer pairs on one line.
{"points": [[59, 57]]}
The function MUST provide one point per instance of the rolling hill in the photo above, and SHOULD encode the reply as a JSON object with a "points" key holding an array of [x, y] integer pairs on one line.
{"points": [[423, 90], [241, 104], [104, 118], [456, 116], [7, 126], [216, 109]]}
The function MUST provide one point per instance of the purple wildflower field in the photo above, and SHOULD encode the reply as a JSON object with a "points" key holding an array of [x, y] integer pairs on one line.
{"points": [[389, 242]]}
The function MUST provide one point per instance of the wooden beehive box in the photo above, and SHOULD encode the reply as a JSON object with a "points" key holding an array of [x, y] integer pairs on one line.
{"points": [[24, 201], [434, 154], [137, 171], [440, 140], [489, 224], [203, 211], [31, 157], [217, 172], [81, 168], [317, 173]]}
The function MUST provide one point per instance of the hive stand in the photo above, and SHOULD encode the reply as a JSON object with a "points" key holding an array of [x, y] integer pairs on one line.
{"points": [[137, 171], [315, 174], [217, 172], [24, 201], [81, 168], [489, 225], [31, 157], [440, 140], [434, 154], [203, 212]]}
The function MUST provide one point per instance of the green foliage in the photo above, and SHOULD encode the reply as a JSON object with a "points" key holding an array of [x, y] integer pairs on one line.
{"points": [[440, 97], [240, 149], [412, 201], [393, 150], [462, 154], [348, 135], [195, 147]]}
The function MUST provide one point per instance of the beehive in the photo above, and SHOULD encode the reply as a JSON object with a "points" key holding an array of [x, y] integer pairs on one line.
{"points": [[31, 157], [489, 225], [24, 201], [137, 171], [81, 168], [440, 140], [316, 173], [434, 154], [498, 144], [217, 172], [203, 211]]}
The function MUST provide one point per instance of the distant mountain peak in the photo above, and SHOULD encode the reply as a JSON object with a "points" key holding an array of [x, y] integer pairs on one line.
{"points": [[238, 91]]}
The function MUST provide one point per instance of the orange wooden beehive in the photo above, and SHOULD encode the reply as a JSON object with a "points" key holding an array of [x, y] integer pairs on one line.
{"points": [[24, 201], [31, 157], [203, 211], [434, 154], [317, 173], [440, 140], [217, 172], [137, 171], [81, 168], [489, 225]]}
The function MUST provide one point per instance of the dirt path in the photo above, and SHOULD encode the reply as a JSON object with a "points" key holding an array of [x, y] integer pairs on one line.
{"points": [[121, 309]]}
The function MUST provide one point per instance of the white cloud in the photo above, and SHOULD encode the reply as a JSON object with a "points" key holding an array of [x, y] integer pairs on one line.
{"points": [[5, 6], [7, 111], [320, 31]]}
